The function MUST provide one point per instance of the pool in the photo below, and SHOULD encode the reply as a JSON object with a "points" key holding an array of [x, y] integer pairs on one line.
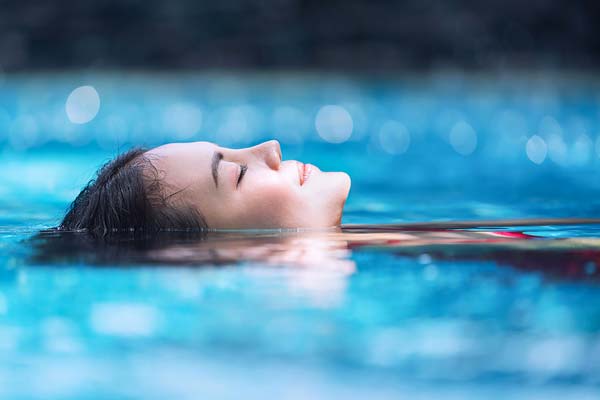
{"points": [[401, 302]]}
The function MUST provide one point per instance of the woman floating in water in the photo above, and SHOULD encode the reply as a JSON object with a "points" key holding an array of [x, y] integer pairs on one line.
{"points": [[190, 188], [199, 185]]}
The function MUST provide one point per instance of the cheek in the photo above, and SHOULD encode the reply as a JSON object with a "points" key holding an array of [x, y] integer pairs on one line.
{"points": [[277, 197], [270, 204]]}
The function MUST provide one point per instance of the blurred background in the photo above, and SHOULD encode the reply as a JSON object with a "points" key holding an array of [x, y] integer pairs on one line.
{"points": [[487, 104], [350, 35]]}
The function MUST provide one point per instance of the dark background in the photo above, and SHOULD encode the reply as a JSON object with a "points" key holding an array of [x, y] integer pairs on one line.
{"points": [[298, 34]]}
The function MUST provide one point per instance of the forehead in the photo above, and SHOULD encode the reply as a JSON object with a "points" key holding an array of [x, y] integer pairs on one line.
{"points": [[183, 164], [186, 150]]}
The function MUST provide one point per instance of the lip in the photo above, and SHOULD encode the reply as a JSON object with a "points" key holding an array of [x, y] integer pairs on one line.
{"points": [[304, 172], [301, 167]]}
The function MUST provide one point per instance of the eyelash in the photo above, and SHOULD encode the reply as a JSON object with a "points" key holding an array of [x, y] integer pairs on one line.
{"points": [[243, 169]]}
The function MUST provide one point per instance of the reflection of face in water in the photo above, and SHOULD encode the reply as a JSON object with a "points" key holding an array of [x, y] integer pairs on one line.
{"points": [[251, 187], [313, 266], [308, 250]]}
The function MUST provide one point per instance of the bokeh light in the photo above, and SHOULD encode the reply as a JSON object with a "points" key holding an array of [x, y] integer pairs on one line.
{"points": [[289, 124], [394, 138], [463, 138], [582, 150], [82, 105], [238, 124], [536, 149], [334, 124], [182, 120], [557, 149], [229, 111], [124, 319]]}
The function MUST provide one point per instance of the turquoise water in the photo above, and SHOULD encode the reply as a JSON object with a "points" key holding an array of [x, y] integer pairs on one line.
{"points": [[495, 309]]}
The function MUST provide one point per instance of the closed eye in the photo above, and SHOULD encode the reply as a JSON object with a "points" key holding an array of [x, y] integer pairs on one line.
{"points": [[243, 169]]}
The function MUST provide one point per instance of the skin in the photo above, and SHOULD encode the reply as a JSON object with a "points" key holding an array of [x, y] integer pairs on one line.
{"points": [[271, 193]]}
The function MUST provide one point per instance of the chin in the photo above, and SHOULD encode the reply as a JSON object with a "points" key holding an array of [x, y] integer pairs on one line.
{"points": [[347, 183], [340, 186]]}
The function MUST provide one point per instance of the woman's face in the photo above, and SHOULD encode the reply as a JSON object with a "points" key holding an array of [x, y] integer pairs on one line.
{"points": [[251, 187]]}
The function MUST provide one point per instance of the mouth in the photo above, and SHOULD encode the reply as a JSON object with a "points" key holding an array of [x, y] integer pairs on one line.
{"points": [[304, 172]]}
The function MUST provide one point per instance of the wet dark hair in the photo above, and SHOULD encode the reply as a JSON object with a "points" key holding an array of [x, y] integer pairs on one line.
{"points": [[128, 195]]}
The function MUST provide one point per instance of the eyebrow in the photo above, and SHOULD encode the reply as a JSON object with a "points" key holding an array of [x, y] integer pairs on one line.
{"points": [[216, 159]]}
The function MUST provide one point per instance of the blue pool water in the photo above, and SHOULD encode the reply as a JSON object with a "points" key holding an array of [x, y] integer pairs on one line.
{"points": [[495, 309]]}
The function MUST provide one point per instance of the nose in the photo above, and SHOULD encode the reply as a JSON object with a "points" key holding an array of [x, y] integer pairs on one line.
{"points": [[270, 152]]}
